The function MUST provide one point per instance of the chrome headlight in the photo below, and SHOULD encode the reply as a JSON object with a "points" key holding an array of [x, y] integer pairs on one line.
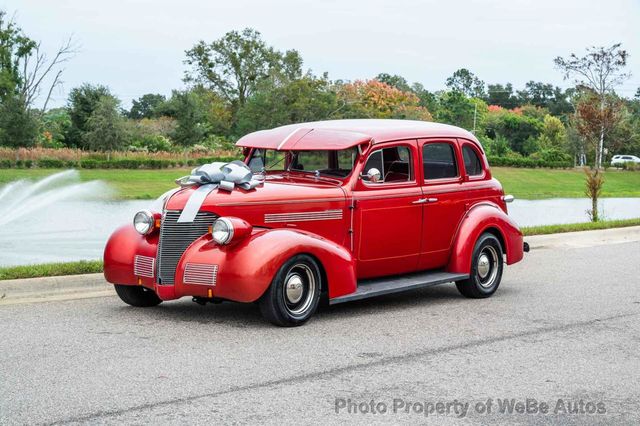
{"points": [[222, 231], [143, 221]]}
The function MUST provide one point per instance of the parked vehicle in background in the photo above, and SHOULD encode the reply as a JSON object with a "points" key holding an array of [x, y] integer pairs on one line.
{"points": [[619, 160], [344, 209]]}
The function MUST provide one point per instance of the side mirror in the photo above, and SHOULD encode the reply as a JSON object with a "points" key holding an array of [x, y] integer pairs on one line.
{"points": [[373, 175]]}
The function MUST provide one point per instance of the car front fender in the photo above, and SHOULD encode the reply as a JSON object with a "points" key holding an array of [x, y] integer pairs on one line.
{"points": [[485, 217], [120, 252], [246, 268]]}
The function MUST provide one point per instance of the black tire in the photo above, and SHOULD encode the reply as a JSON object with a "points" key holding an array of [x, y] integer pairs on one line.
{"points": [[138, 296], [484, 278], [283, 307]]}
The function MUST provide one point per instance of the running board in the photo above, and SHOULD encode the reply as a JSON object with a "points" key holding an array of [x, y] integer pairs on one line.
{"points": [[396, 284]]}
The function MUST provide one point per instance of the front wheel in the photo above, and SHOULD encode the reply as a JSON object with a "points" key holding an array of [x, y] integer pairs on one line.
{"points": [[294, 294], [138, 296], [486, 268]]}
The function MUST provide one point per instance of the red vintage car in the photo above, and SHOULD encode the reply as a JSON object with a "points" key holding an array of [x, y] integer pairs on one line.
{"points": [[345, 210]]}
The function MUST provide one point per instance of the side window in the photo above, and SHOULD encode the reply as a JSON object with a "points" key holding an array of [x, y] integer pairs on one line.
{"points": [[439, 161], [394, 164], [472, 163]]}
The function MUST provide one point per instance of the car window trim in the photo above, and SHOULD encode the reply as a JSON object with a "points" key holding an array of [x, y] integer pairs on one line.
{"points": [[475, 149], [457, 154], [390, 185]]}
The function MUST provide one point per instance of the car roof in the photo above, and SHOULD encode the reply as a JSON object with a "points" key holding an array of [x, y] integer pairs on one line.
{"points": [[343, 134]]}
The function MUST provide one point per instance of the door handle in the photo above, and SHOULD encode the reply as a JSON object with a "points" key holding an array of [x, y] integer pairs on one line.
{"points": [[425, 200]]}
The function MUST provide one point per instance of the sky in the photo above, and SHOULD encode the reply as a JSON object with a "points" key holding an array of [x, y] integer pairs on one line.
{"points": [[137, 46]]}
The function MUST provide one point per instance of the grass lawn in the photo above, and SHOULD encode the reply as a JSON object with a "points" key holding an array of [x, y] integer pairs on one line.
{"points": [[532, 184], [528, 184], [50, 269], [573, 227], [129, 184]]}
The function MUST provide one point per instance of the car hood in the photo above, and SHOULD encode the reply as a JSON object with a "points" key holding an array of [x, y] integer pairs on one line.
{"points": [[271, 192]]}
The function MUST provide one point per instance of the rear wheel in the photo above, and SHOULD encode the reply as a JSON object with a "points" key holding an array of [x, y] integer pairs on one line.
{"points": [[294, 293], [138, 296], [486, 268]]}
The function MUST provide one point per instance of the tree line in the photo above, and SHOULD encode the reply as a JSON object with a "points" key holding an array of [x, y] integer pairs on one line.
{"points": [[239, 83]]}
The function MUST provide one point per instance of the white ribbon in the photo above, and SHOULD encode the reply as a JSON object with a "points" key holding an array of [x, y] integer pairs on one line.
{"points": [[225, 176]]}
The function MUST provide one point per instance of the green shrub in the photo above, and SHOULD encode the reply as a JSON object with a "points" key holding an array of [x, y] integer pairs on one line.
{"points": [[152, 143], [631, 166], [531, 163], [51, 163]]}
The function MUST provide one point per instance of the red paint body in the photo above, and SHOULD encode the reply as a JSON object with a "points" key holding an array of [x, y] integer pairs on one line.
{"points": [[371, 230]]}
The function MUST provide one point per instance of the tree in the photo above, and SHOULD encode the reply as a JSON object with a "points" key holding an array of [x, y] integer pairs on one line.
{"points": [[146, 106], [24, 68], [374, 99], [426, 98], [553, 134], [55, 126], [595, 119], [24, 74], [395, 80], [502, 96], [546, 96], [301, 100], [520, 130], [457, 109], [191, 121], [600, 70], [466, 82], [105, 128], [234, 65], [81, 104], [18, 126]]}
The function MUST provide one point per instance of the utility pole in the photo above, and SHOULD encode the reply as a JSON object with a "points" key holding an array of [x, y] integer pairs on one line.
{"points": [[475, 117]]}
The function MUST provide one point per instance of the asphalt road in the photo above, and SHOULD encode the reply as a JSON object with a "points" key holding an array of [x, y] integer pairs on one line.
{"points": [[564, 326]]}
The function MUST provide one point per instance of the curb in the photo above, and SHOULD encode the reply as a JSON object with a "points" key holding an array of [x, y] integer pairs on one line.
{"points": [[581, 239], [46, 289]]}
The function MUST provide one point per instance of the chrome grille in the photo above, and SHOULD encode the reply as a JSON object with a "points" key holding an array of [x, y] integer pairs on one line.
{"points": [[200, 273], [143, 266], [175, 238]]}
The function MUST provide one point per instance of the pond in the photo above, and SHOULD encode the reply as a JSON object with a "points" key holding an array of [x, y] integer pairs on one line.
{"points": [[75, 230]]}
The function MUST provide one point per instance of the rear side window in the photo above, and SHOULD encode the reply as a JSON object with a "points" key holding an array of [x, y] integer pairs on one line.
{"points": [[472, 163], [439, 161]]}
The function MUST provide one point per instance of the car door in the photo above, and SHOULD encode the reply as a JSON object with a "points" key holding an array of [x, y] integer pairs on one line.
{"points": [[388, 212], [444, 201]]}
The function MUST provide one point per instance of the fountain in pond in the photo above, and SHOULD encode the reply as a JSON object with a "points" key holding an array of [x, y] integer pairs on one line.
{"points": [[22, 198]]}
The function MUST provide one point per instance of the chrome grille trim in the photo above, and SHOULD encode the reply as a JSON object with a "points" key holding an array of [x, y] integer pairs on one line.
{"points": [[175, 238], [200, 273], [303, 216], [143, 266]]}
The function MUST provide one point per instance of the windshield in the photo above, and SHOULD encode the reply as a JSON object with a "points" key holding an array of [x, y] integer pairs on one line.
{"points": [[329, 163]]}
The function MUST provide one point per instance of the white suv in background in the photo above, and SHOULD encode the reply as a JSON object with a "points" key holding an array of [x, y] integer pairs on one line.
{"points": [[619, 160]]}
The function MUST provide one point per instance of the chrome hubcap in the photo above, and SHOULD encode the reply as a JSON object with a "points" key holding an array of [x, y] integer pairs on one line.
{"points": [[300, 288], [487, 267], [483, 266], [294, 288]]}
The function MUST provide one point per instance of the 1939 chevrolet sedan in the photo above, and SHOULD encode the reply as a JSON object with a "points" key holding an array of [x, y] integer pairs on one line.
{"points": [[345, 209]]}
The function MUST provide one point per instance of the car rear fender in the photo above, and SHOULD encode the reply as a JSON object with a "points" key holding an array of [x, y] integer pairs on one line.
{"points": [[484, 217]]}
